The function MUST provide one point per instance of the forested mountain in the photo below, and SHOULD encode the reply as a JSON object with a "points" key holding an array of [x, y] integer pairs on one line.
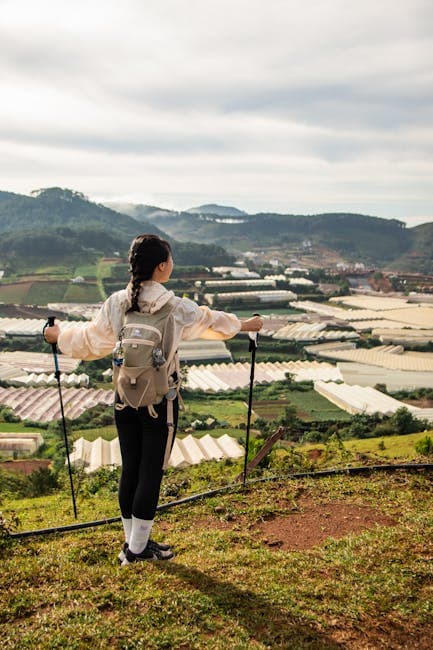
{"points": [[354, 236], [54, 207], [62, 226]]}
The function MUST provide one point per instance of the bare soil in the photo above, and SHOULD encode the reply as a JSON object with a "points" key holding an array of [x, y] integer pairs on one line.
{"points": [[314, 523], [307, 524], [24, 466]]}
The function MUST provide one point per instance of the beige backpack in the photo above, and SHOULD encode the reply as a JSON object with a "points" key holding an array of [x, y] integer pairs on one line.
{"points": [[141, 371]]}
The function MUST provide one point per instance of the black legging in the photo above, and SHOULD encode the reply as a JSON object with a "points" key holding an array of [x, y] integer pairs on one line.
{"points": [[142, 442]]}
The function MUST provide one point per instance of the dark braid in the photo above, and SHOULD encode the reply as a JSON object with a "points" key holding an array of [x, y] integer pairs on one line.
{"points": [[145, 253]]}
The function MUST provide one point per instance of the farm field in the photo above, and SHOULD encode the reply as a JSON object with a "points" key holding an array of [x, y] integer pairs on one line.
{"points": [[88, 292], [42, 292], [310, 407]]}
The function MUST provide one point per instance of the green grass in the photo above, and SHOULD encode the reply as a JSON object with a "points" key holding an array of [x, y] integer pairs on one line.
{"points": [[310, 406], [226, 589], [18, 427], [15, 293], [107, 433], [88, 292], [232, 411], [395, 447], [41, 293], [88, 272]]}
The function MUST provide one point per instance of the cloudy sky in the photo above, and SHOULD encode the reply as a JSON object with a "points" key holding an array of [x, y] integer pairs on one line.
{"points": [[268, 105]]}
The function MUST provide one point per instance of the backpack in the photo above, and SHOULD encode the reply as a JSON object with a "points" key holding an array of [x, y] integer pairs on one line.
{"points": [[142, 376]]}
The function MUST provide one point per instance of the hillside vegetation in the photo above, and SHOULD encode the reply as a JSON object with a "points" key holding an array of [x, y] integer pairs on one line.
{"points": [[240, 579], [60, 226], [356, 237]]}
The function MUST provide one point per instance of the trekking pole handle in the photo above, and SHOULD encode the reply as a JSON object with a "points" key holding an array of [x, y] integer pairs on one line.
{"points": [[254, 338], [50, 323]]}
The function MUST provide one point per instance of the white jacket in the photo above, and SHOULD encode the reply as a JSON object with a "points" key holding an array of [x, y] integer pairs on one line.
{"points": [[96, 339]]}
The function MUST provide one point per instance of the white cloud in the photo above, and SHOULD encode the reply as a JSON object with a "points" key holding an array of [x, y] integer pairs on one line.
{"points": [[284, 105]]}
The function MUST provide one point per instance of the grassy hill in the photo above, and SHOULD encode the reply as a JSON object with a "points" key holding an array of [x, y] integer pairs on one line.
{"points": [[339, 562]]}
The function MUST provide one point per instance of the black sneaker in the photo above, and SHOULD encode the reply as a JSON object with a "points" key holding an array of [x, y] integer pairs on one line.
{"points": [[150, 544], [151, 552]]}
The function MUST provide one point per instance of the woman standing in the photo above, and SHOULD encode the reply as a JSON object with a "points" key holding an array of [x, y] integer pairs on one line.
{"points": [[144, 434]]}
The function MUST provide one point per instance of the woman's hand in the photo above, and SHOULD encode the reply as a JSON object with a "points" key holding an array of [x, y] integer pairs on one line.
{"points": [[51, 334], [253, 324]]}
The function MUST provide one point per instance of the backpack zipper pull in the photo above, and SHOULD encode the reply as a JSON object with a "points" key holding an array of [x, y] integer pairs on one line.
{"points": [[118, 354]]}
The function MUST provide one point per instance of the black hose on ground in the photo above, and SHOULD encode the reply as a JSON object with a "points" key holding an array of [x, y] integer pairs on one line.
{"points": [[367, 469]]}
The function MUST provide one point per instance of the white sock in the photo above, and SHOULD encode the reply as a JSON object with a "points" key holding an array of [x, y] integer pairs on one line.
{"points": [[140, 533], [127, 527]]}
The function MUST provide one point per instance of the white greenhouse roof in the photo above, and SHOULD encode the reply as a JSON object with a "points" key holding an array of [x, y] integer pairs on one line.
{"points": [[312, 332], [302, 282], [201, 349], [28, 442], [187, 451], [37, 361], [229, 376], [363, 375], [364, 399], [42, 404], [376, 303], [240, 283], [387, 356], [278, 295], [85, 310], [43, 379], [27, 326], [403, 336], [407, 316]]}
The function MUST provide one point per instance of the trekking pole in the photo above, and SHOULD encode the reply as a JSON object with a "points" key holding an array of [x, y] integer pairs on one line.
{"points": [[254, 339], [50, 323]]}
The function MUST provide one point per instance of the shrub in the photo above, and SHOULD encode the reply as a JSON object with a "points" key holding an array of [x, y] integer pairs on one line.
{"points": [[424, 446], [42, 481]]}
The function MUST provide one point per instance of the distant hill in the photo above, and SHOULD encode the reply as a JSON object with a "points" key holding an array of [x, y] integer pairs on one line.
{"points": [[219, 210], [354, 236], [374, 240], [140, 211], [58, 225]]}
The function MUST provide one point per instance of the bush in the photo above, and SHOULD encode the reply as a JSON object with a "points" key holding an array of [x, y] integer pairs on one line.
{"points": [[424, 447], [7, 415], [41, 482], [105, 478]]}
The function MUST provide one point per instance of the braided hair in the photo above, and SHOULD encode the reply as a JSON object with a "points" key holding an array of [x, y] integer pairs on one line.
{"points": [[145, 253]]}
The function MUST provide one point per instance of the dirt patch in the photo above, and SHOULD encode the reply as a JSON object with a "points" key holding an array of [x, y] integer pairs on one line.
{"points": [[315, 523], [314, 454], [308, 525], [24, 466]]}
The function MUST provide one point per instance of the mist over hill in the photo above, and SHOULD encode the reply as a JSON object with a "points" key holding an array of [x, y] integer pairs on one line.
{"points": [[220, 210], [356, 237]]}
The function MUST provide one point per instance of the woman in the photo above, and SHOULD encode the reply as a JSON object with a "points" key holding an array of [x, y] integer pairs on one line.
{"points": [[144, 436]]}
